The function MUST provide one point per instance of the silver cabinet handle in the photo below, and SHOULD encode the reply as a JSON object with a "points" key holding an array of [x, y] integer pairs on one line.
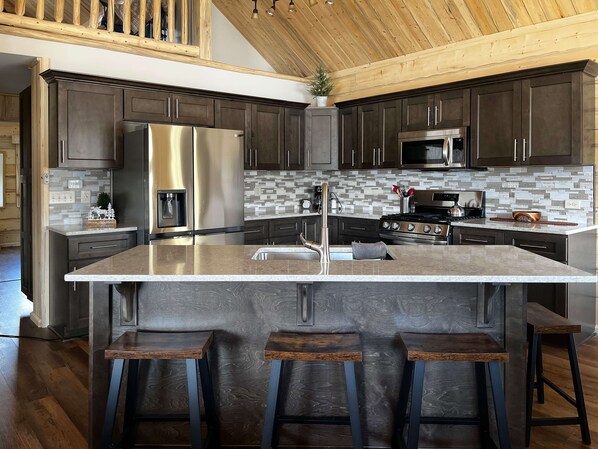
{"points": [[527, 245], [282, 228], [352, 158], [255, 231], [114, 245], [176, 108], [514, 150], [435, 115], [523, 152], [308, 159], [62, 151], [288, 158], [74, 282], [379, 159], [475, 240], [168, 108], [356, 228], [428, 116], [255, 158], [305, 229], [250, 151], [374, 157]]}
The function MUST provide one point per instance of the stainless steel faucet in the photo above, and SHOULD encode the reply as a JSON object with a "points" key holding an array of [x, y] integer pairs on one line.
{"points": [[323, 248]]}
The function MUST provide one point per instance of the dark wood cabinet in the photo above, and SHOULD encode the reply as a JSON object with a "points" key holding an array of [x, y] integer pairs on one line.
{"points": [[294, 141], [449, 109], [357, 230], [311, 227], [235, 115], [477, 236], [69, 301], [282, 231], [348, 136], [85, 125], [321, 138], [158, 106], [378, 127], [534, 121], [9, 108], [256, 232], [267, 133]]}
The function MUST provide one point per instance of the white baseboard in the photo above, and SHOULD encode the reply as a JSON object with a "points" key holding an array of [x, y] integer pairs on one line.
{"points": [[36, 320]]}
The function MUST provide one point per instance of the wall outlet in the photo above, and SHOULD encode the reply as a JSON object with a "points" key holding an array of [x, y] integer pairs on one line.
{"points": [[66, 197], [572, 204], [75, 184], [85, 196]]}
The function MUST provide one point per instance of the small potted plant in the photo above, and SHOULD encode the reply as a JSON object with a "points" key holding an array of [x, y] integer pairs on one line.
{"points": [[321, 86], [103, 200]]}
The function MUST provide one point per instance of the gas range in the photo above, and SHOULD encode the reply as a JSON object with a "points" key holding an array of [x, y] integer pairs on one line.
{"points": [[430, 223]]}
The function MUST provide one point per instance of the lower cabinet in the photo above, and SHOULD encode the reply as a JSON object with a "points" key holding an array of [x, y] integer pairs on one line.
{"points": [[69, 301], [574, 301], [357, 230]]}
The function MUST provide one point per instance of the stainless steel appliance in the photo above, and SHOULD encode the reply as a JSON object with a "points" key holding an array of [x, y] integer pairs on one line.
{"points": [[182, 185], [435, 148], [430, 224]]}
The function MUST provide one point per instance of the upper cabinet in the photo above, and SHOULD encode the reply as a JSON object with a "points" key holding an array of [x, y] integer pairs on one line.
{"points": [[321, 138], [347, 134], [230, 114], [378, 127], [157, 106], [438, 110], [9, 108], [85, 125], [294, 141], [534, 121]]}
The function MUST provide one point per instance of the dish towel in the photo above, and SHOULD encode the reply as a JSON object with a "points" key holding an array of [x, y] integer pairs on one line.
{"points": [[369, 250]]}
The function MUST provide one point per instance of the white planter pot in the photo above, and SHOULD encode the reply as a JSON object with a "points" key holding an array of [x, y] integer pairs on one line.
{"points": [[321, 101]]}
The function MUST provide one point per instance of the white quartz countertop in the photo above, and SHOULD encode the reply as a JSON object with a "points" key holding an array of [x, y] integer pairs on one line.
{"points": [[309, 213], [73, 230], [460, 263], [486, 223]]}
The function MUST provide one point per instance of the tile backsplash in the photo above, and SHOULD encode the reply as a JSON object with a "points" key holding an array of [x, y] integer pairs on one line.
{"points": [[369, 191]]}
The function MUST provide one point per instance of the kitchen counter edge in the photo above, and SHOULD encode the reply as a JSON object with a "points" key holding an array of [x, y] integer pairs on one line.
{"points": [[486, 223], [75, 230]]}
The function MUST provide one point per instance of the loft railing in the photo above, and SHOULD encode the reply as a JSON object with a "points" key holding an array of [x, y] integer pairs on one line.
{"points": [[153, 25]]}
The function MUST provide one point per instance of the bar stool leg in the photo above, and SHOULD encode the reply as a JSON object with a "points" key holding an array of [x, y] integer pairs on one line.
{"points": [[194, 411], [207, 390], [480, 372], [579, 400], [401, 412], [130, 403], [532, 356], [272, 404], [113, 393], [416, 405], [281, 395], [353, 405], [540, 372], [500, 410]]}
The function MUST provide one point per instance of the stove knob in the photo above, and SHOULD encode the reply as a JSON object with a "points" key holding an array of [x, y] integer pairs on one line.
{"points": [[411, 227], [395, 226], [437, 230], [385, 225], [427, 228]]}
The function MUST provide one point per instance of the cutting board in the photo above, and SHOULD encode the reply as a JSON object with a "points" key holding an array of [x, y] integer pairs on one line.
{"points": [[556, 223]]}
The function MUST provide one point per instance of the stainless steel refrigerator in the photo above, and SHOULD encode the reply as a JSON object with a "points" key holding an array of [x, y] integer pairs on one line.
{"points": [[181, 185]]}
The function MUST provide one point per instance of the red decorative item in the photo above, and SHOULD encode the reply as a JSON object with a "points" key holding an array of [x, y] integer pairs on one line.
{"points": [[395, 188], [411, 192]]}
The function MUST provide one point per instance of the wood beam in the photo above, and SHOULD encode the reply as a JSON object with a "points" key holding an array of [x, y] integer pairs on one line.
{"points": [[202, 27]]}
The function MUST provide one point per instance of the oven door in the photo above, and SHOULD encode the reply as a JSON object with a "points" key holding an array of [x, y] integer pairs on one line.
{"points": [[394, 239]]}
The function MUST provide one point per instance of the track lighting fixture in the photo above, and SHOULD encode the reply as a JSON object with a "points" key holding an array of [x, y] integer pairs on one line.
{"points": [[292, 7]]}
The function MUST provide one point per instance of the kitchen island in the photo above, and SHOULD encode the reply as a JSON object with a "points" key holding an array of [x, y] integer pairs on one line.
{"points": [[221, 288]]}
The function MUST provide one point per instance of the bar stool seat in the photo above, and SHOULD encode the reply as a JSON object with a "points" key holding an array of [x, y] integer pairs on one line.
{"points": [[480, 349], [135, 346], [283, 347], [541, 321]]}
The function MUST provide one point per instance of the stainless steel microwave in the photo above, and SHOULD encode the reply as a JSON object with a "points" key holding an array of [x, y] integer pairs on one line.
{"points": [[435, 148]]}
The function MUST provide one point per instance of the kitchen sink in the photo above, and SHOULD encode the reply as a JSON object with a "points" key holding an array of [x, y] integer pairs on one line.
{"points": [[301, 253]]}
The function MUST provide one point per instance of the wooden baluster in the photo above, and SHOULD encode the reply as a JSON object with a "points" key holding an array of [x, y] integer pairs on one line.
{"points": [[94, 10], [142, 18], [76, 12], [20, 7], [184, 22], [170, 14], [157, 19], [1, 5], [202, 27], [110, 18], [127, 17], [58, 11]]}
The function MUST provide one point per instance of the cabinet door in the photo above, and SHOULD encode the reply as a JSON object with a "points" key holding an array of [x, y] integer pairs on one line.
{"points": [[9, 108], [357, 230], [348, 137], [78, 302], [477, 236], [417, 113], [496, 125], [552, 120], [147, 105], [390, 124], [256, 232], [369, 134], [235, 115], [267, 131], [88, 126], [451, 109], [547, 245], [311, 228], [284, 226], [192, 110], [293, 138], [333, 230], [321, 142]]}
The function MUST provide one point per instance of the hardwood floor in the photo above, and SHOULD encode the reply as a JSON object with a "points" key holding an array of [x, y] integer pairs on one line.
{"points": [[43, 385]]}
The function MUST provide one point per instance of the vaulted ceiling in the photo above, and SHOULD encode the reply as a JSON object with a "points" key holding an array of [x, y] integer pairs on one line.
{"points": [[351, 33]]}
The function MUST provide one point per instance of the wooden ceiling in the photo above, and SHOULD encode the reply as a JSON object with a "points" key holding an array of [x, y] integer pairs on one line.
{"points": [[356, 32]]}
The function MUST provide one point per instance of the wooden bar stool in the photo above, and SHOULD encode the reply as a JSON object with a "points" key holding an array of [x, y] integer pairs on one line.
{"points": [[541, 321], [478, 348], [136, 346], [286, 347]]}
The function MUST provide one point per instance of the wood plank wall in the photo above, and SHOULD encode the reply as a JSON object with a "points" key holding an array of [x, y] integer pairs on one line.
{"points": [[10, 214]]}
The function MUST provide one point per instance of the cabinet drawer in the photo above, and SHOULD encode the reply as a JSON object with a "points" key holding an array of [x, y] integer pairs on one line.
{"points": [[359, 227], [256, 232], [474, 236], [100, 246], [551, 246], [285, 226]]}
